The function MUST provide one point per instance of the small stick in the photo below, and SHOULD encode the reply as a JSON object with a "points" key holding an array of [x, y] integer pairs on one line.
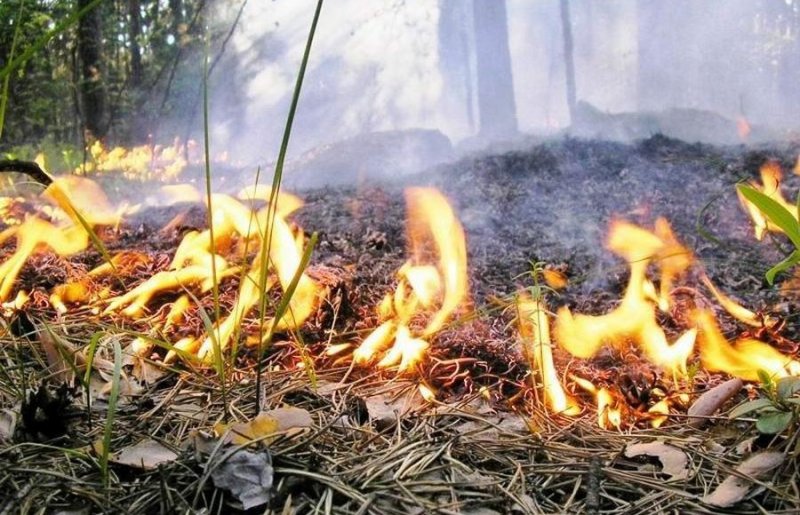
{"points": [[29, 168]]}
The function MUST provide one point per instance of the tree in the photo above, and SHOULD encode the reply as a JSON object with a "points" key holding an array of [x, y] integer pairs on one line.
{"points": [[94, 106], [496, 105], [569, 58], [455, 42]]}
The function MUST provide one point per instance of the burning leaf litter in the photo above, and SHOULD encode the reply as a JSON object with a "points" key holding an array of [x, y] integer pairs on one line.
{"points": [[566, 389]]}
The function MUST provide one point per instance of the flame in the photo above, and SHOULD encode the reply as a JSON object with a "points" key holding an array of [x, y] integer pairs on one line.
{"points": [[80, 201], [609, 411], [534, 327], [743, 128], [433, 231], [736, 310], [145, 162], [771, 176], [635, 318], [743, 358]]}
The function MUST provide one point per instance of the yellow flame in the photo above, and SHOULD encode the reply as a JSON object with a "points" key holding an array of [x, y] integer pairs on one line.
{"points": [[736, 310], [534, 327], [635, 318], [771, 176], [743, 358], [436, 275], [609, 412]]}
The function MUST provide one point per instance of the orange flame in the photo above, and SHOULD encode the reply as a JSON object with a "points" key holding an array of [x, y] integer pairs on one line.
{"points": [[743, 128], [534, 327], [635, 318], [433, 231]]}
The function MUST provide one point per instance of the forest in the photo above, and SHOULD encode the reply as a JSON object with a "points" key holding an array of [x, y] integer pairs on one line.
{"points": [[390, 257]]}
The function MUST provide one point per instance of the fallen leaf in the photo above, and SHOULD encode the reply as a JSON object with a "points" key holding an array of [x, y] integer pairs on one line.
{"points": [[8, 424], [145, 455], [711, 401], [247, 476], [266, 425], [384, 412], [674, 462], [735, 487]]}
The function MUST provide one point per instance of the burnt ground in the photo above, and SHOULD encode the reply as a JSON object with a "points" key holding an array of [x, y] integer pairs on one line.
{"points": [[546, 201]]}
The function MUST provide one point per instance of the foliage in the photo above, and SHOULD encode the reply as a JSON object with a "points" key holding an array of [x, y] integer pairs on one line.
{"points": [[782, 218], [778, 409]]}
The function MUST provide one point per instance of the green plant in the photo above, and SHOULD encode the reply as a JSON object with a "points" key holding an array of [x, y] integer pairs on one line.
{"points": [[782, 218], [779, 408]]}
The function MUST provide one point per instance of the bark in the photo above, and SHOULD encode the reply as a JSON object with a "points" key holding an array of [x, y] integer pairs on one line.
{"points": [[94, 104], [569, 58], [496, 105], [134, 33], [454, 42]]}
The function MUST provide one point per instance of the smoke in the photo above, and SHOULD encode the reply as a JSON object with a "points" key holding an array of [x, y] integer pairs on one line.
{"points": [[690, 69]]}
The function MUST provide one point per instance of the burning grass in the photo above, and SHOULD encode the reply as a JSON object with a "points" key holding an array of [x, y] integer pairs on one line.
{"points": [[496, 416]]}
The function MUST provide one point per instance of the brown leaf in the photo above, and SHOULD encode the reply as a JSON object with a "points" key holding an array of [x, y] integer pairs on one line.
{"points": [[735, 487], [145, 455], [266, 426], [711, 401], [674, 462]]}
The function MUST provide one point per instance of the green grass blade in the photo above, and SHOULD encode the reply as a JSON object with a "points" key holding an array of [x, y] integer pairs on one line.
{"points": [[790, 261], [276, 186]]}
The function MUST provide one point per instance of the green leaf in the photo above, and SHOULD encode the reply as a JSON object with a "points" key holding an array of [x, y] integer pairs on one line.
{"points": [[774, 422], [765, 378], [776, 213], [749, 407], [791, 260], [787, 387]]}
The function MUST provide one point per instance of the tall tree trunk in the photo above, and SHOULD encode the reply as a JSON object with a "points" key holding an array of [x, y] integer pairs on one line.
{"points": [[496, 105], [92, 88], [569, 58], [176, 17], [134, 33], [455, 38]]}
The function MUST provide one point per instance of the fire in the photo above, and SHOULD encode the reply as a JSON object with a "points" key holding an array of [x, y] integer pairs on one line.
{"points": [[609, 411], [743, 358], [78, 201], [423, 285], [771, 176], [743, 128], [534, 328], [145, 162], [635, 318]]}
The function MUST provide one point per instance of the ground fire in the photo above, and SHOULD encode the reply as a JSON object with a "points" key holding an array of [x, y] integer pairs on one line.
{"points": [[260, 248]]}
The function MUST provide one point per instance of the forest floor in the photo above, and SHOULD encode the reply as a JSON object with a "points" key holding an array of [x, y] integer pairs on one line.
{"points": [[372, 443]]}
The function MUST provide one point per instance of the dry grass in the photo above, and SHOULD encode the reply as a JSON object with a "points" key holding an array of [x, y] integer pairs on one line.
{"points": [[464, 457]]}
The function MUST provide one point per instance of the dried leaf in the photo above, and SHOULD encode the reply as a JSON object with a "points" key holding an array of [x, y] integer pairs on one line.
{"points": [[8, 424], [247, 476], [734, 488], [266, 425], [384, 412], [674, 462], [145, 455], [711, 401]]}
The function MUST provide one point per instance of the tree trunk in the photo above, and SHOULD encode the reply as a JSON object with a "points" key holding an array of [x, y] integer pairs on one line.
{"points": [[134, 33], [176, 17], [92, 88], [454, 41], [569, 58], [496, 105]]}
